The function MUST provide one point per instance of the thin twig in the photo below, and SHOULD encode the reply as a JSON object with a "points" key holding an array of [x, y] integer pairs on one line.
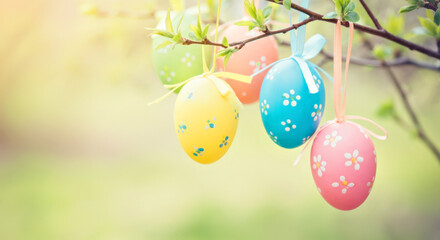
{"points": [[371, 62], [373, 18], [403, 96], [377, 63], [420, 131], [240, 44]]}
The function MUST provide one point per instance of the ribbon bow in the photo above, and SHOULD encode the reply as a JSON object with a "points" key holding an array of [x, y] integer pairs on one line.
{"points": [[340, 108], [302, 51], [215, 77]]}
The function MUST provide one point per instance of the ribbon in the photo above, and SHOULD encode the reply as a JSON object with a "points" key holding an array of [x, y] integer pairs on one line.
{"points": [[340, 107], [215, 77], [303, 51]]}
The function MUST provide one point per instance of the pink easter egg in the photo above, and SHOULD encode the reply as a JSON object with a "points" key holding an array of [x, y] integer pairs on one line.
{"points": [[251, 58], [343, 162]]}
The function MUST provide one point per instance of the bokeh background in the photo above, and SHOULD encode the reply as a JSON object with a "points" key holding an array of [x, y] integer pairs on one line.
{"points": [[83, 157]]}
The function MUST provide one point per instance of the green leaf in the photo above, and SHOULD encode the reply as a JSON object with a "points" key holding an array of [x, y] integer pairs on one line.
{"points": [[349, 8], [161, 32], [192, 36], [244, 23], [413, 133], [267, 11], [407, 8], [225, 42], [260, 18], [429, 14], [178, 37], [226, 54], [168, 22], [199, 25], [163, 44], [205, 31], [180, 22], [382, 52], [196, 31], [386, 109], [339, 7], [250, 8], [287, 4], [395, 24], [352, 17], [330, 15], [437, 17], [429, 25]]}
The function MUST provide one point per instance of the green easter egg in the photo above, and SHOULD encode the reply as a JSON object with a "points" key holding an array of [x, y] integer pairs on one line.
{"points": [[181, 62]]}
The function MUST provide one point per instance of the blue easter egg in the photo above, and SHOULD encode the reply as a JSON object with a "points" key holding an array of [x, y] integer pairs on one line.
{"points": [[290, 113]]}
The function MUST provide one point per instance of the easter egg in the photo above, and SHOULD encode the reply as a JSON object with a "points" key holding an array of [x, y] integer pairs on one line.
{"points": [[343, 162], [251, 58], [205, 120], [176, 64], [290, 113]]}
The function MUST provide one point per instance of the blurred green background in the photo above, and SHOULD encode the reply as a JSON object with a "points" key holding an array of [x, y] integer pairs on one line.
{"points": [[83, 157]]}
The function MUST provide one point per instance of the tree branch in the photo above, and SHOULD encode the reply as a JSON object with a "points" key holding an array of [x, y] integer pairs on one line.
{"points": [[313, 16], [431, 6], [376, 32]]}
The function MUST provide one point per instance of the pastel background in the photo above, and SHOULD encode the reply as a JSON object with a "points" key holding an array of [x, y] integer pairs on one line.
{"points": [[83, 157]]}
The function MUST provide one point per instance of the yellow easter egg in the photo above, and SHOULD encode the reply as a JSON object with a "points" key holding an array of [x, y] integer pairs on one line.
{"points": [[206, 119]]}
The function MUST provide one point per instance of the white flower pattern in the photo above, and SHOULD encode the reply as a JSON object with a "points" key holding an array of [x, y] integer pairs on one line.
{"points": [[288, 125], [317, 113], [332, 139], [291, 98], [353, 159], [264, 107], [188, 59], [317, 81], [344, 184], [270, 74], [164, 50], [258, 65], [273, 137], [167, 74], [318, 164]]}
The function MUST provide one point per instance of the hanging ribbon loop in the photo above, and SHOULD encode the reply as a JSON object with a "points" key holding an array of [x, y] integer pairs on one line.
{"points": [[337, 68], [302, 51], [371, 133], [340, 101], [311, 48], [215, 77]]}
